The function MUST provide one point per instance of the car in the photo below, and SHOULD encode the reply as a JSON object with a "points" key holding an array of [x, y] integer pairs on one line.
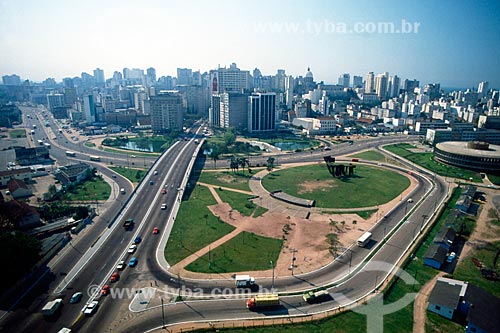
{"points": [[113, 175], [151, 182], [451, 256], [410, 200], [105, 290], [163, 191], [156, 230], [76, 297], [163, 206], [132, 262], [132, 248], [121, 265], [114, 277], [155, 172], [133, 156], [137, 240], [91, 308]]}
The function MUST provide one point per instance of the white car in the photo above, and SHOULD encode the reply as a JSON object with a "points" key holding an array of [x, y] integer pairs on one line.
{"points": [[132, 248], [163, 206], [121, 265], [90, 308]]}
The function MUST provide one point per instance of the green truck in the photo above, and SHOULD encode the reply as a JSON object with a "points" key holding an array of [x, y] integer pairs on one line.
{"points": [[315, 296]]}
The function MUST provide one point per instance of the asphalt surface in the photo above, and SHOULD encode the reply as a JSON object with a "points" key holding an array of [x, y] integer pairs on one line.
{"points": [[144, 207]]}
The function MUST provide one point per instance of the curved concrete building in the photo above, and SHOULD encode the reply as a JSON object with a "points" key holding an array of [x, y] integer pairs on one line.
{"points": [[479, 156]]}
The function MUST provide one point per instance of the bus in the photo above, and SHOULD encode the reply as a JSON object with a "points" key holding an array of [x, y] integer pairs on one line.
{"points": [[363, 240], [70, 153], [95, 158]]}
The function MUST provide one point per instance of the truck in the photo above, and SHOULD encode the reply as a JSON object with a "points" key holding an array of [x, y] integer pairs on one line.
{"points": [[263, 301], [40, 142], [51, 307], [70, 153], [128, 224], [315, 296], [243, 281]]}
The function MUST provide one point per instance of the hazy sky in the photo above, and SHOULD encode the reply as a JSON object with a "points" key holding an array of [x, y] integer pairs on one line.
{"points": [[457, 42]]}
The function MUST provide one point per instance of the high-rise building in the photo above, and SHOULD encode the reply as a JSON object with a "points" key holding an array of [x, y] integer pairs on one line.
{"points": [[13, 80], [369, 83], [184, 76], [229, 79], [233, 110], [55, 100], [393, 88], [151, 76], [89, 109], [357, 81], [69, 96], [262, 112], [344, 80], [410, 85], [99, 76], [214, 111], [482, 88], [381, 81], [166, 112]]}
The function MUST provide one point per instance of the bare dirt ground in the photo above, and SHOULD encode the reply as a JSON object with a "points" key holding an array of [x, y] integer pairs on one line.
{"points": [[304, 237]]}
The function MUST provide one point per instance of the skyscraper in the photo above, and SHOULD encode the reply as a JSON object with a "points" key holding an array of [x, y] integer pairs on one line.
{"points": [[357, 81], [482, 89], [393, 89], [344, 80], [55, 100], [261, 112], [99, 76], [166, 112], [369, 84], [184, 76], [151, 75], [89, 109], [230, 79], [410, 85], [13, 80], [214, 111], [381, 81], [234, 110]]}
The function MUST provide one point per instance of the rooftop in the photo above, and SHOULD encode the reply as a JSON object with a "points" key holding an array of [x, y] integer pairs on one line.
{"points": [[461, 148]]}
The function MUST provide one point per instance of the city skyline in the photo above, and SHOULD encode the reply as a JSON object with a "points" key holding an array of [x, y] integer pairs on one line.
{"points": [[452, 43]]}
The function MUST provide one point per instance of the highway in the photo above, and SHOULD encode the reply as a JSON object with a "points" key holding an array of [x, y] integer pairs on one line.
{"points": [[111, 241]]}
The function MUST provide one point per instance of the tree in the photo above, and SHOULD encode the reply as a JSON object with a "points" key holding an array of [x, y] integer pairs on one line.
{"points": [[270, 163], [215, 154]]}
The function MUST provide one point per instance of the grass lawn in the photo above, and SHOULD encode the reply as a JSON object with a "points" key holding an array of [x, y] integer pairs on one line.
{"points": [[95, 189], [195, 226], [371, 155], [89, 144], [427, 161], [369, 186], [238, 201], [128, 152], [494, 179], [397, 322], [134, 175], [17, 133], [238, 180], [245, 252]]}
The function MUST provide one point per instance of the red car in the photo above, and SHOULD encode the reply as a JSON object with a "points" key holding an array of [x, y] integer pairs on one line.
{"points": [[163, 191], [105, 290], [114, 277], [156, 230]]}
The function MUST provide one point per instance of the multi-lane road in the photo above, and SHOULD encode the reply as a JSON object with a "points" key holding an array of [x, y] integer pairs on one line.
{"points": [[94, 258]]}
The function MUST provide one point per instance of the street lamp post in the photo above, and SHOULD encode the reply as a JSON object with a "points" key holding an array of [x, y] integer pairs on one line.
{"points": [[424, 216], [272, 283]]}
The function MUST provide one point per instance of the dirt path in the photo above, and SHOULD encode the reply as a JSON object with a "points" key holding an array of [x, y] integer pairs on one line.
{"points": [[421, 303]]}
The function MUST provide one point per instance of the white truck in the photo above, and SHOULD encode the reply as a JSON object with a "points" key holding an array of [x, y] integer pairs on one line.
{"points": [[243, 281], [51, 307]]}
